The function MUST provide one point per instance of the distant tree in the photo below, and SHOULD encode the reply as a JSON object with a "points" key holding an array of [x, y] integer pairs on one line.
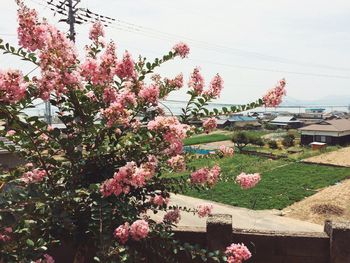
{"points": [[240, 139], [288, 140]]}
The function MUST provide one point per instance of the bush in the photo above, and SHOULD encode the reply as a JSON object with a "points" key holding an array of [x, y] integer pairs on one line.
{"points": [[288, 140], [271, 127], [272, 144], [90, 182], [257, 141]]}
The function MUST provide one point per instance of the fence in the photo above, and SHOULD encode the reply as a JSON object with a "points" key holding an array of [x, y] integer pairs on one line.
{"points": [[330, 246]]}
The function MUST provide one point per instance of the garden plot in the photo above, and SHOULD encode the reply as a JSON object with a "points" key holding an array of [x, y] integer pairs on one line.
{"points": [[340, 157]]}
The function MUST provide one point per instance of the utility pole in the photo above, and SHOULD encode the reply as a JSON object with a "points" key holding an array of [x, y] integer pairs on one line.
{"points": [[71, 18]]}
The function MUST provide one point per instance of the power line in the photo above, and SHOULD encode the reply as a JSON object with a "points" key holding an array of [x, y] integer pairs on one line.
{"points": [[84, 15]]}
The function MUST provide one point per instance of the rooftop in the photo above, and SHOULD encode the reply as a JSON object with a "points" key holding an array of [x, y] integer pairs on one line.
{"points": [[338, 125]]}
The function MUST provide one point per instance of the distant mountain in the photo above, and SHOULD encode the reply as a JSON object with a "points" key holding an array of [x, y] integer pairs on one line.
{"points": [[331, 100]]}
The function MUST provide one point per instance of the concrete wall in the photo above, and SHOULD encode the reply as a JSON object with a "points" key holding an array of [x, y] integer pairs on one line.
{"points": [[331, 246]]}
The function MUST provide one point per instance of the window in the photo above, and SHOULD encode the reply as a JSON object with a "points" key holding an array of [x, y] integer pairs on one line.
{"points": [[323, 138]]}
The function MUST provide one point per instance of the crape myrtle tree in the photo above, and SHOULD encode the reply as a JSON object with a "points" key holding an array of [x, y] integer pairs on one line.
{"points": [[92, 184]]}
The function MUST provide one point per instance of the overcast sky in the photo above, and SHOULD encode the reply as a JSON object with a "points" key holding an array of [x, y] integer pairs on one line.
{"points": [[251, 43]]}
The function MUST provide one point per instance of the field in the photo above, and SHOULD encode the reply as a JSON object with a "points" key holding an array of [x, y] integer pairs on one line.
{"points": [[283, 182], [205, 138], [219, 136]]}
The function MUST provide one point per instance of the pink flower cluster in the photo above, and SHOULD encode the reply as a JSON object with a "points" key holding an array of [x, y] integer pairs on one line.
{"points": [[237, 253], [36, 175], [5, 236], [122, 233], [177, 163], [12, 86], [247, 181], [97, 33], [206, 175], [176, 82], [101, 71], [216, 85], [173, 133], [196, 81], [58, 60], [172, 216], [226, 151], [47, 259], [159, 200], [210, 124], [126, 68], [117, 112], [138, 230], [150, 94], [31, 34], [181, 49], [128, 176], [273, 97], [204, 210]]}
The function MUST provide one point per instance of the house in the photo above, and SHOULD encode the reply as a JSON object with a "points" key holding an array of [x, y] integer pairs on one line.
{"points": [[287, 122], [222, 123], [332, 132], [240, 121]]}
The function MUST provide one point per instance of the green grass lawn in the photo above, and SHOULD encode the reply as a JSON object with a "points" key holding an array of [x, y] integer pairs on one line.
{"points": [[219, 136], [205, 138], [282, 184]]}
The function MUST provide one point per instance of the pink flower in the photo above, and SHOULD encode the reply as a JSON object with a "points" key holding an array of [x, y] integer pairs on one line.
{"points": [[247, 181], [128, 176], [209, 124], [173, 133], [149, 93], [216, 85], [237, 253], [196, 81], [226, 151], [172, 216], [177, 163], [31, 34], [12, 86], [47, 259], [159, 200], [206, 176], [10, 133], [116, 113], [36, 175], [126, 68], [177, 82], [204, 210], [97, 33], [181, 49], [139, 229], [122, 233], [273, 97]]}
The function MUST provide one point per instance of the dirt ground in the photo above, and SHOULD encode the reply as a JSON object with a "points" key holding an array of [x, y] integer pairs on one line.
{"points": [[340, 157], [214, 145], [337, 201]]}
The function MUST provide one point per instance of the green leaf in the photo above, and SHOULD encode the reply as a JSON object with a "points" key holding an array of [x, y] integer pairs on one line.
{"points": [[30, 242]]}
